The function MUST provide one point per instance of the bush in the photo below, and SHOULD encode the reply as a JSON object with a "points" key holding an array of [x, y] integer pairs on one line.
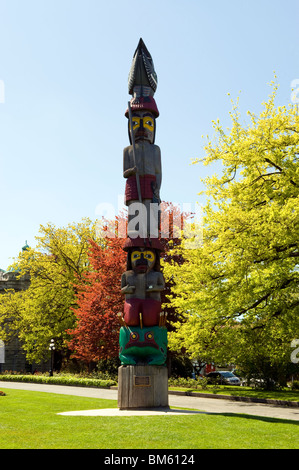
{"points": [[200, 383], [107, 369], [295, 385], [59, 380]]}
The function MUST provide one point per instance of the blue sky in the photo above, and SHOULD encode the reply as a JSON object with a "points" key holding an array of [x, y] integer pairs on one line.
{"points": [[64, 66]]}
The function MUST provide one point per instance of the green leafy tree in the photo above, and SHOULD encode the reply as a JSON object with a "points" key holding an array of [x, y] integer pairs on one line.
{"points": [[44, 310], [244, 277]]}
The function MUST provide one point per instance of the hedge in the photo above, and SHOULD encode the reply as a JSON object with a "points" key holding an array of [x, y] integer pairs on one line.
{"points": [[56, 380]]}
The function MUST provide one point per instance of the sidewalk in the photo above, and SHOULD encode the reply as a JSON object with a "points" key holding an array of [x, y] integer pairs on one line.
{"points": [[208, 405]]}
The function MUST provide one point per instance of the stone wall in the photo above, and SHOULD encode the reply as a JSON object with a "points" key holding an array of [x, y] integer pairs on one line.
{"points": [[10, 280]]}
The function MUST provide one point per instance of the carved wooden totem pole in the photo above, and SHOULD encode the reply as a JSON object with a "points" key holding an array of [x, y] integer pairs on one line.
{"points": [[143, 336]]}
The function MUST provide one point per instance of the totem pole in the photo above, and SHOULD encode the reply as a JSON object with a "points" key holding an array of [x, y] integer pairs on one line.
{"points": [[143, 335]]}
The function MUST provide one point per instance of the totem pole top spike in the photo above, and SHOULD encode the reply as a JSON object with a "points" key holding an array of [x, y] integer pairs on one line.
{"points": [[142, 81], [142, 71]]}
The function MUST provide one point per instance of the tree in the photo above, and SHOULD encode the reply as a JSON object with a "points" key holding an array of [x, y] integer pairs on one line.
{"points": [[244, 277], [95, 336], [173, 226], [44, 310]]}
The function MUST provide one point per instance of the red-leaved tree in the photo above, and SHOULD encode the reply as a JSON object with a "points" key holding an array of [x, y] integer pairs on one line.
{"points": [[99, 299]]}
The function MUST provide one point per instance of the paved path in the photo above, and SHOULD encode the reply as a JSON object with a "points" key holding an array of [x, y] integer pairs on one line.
{"points": [[209, 405]]}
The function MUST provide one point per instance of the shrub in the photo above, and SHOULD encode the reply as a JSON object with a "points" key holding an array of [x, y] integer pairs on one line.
{"points": [[59, 380], [200, 383], [295, 385]]}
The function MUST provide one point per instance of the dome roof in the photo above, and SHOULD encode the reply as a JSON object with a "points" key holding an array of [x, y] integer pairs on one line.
{"points": [[25, 247]]}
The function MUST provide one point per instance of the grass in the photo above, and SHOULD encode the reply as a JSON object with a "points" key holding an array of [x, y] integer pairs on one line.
{"points": [[284, 394], [29, 420]]}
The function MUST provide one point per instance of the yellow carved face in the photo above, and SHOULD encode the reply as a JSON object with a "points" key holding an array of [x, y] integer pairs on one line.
{"points": [[147, 122], [148, 255], [143, 261], [143, 126]]}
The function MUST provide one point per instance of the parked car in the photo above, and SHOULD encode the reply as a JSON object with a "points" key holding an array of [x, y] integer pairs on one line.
{"points": [[223, 377], [259, 383]]}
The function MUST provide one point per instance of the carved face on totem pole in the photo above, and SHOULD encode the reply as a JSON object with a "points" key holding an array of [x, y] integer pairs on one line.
{"points": [[144, 126], [145, 345], [142, 260]]}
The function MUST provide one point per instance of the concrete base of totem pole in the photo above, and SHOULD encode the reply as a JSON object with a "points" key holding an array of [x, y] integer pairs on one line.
{"points": [[142, 386]]}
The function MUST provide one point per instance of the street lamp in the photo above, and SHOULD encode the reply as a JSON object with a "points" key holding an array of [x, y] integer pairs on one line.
{"points": [[52, 349]]}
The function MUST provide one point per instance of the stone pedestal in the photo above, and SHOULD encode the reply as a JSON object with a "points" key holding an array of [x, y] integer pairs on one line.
{"points": [[142, 386]]}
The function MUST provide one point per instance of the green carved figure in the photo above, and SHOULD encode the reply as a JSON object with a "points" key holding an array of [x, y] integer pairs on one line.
{"points": [[143, 345]]}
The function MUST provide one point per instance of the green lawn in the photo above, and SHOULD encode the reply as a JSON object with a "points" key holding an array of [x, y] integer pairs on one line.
{"points": [[29, 420], [285, 394]]}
